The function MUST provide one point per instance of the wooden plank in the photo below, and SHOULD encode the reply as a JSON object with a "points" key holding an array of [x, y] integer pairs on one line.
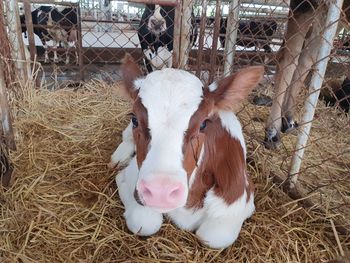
{"points": [[30, 30], [6, 120]]}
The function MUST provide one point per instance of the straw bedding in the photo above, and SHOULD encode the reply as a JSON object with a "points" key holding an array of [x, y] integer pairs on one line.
{"points": [[63, 205]]}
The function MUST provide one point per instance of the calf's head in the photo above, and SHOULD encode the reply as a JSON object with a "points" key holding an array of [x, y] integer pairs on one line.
{"points": [[171, 110], [158, 18]]}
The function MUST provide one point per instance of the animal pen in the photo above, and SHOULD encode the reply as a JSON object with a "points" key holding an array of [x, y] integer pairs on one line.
{"points": [[61, 122]]}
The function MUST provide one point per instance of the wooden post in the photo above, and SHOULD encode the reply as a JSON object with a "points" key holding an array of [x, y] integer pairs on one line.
{"points": [[214, 48], [15, 38], [5, 50], [231, 36], [201, 37], [5, 112], [177, 34], [30, 29], [80, 45], [185, 45]]}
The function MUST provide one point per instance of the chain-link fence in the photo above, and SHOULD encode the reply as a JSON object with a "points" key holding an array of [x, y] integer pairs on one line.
{"points": [[75, 41]]}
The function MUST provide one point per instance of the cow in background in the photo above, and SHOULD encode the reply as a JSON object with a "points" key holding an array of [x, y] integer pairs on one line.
{"points": [[59, 26], [251, 33], [156, 34]]}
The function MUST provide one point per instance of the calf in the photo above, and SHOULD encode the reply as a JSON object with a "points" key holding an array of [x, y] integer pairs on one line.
{"points": [[251, 33], [59, 26], [156, 33], [190, 154]]}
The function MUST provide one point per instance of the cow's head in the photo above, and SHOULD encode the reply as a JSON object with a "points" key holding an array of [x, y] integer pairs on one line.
{"points": [[171, 111], [158, 18]]}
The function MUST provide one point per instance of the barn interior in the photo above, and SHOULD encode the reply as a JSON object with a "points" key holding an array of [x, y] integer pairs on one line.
{"points": [[61, 203]]}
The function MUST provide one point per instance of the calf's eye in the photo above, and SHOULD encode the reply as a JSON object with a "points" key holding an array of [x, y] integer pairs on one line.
{"points": [[203, 125], [135, 122]]}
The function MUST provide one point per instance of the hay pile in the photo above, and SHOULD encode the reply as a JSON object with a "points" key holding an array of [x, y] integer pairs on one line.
{"points": [[63, 205]]}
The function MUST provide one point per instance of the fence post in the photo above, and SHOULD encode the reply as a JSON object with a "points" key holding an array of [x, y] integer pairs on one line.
{"points": [[214, 48], [201, 38], [231, 36], [15, 38], [5, 114], [315, 87], [185, 45]]}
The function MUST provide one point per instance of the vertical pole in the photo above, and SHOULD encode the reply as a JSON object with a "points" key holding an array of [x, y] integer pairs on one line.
{"points": [[231, 36], [5, 49], [30, 29], [185, 45], [177, 34], [80, 45], [201, 37], [214, 48], [15, 37], [5, 112], [315, 87]]}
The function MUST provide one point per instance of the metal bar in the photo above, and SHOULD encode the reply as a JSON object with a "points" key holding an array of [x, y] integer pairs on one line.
{"points": [[201, 37], [231, 36], [315, 87], [53, 2], [6, 119], [80, 46], [157, 2], [30, 30], [214, 48]]}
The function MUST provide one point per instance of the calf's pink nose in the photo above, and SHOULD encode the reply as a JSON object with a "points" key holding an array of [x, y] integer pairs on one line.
{"points": [[164, 194]]}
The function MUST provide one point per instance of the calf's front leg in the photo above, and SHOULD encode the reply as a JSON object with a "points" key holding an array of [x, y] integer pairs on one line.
{"points": [[140, 220]]}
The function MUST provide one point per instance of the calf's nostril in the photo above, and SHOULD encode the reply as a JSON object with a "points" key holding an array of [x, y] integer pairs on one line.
{"points": [[147, 193], [175, 193]]}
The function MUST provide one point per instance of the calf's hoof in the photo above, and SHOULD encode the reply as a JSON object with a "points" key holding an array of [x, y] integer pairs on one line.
{"points": [[143, 221]]}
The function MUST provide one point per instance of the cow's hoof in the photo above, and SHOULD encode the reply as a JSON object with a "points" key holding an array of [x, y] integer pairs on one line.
{"points": [[272, 139], [262, 100], [289, 125]]}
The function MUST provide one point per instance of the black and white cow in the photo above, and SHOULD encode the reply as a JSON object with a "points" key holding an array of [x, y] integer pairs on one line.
{"points": [[52, 24], [251, 33], [156, 33]]}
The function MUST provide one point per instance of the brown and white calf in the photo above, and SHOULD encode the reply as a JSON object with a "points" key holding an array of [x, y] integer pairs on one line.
{"points": [[190, 154], [296, 57]]}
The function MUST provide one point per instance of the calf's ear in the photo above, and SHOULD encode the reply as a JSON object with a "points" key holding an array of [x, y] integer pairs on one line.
{"points": [[229, 92], [130, 72]]}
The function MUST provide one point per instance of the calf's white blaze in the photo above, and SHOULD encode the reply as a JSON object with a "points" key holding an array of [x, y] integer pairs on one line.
{"points": [[170, 97]]}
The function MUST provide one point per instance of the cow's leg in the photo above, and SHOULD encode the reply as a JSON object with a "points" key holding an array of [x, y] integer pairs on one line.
{"points": [[295, 35], [46, 52], [140, 220], [306, 60], [125, 150], [55, 46], [224, 222], [66, 47]]}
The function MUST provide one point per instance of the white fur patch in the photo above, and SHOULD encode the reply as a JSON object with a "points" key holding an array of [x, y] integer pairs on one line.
{"points": [[163, 58], [171, 97], [231, 123]]}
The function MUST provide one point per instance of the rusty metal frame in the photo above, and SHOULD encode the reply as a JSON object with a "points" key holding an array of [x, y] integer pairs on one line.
{"points": [[157, 2]]}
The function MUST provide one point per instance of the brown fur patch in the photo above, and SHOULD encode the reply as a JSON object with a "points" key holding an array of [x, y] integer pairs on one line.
{"points": [[141, 133], [223, 168]]}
